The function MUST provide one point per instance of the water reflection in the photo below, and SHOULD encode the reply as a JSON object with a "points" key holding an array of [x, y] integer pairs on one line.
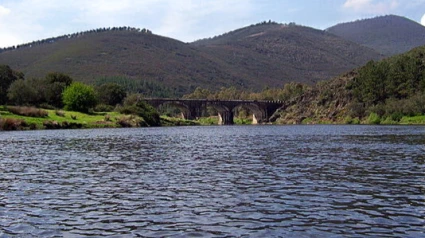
{"points": [[265, 181]]}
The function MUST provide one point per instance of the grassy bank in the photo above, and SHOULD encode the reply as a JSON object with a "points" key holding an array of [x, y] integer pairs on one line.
{"points": [[24, 118], [58, 119], [30, 118]]}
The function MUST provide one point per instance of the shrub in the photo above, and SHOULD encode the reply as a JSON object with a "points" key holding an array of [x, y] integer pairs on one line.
{"points": [[60, 113], [142, 109], [111, 94], [11, 124], [64, 125], [130, 121], [28, 111], [46, 106], [374, 119], [348, 120], [79, 97], [103, 108]]}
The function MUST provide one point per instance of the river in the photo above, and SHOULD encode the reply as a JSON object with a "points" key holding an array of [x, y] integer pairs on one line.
{"points": [[218, 181]]}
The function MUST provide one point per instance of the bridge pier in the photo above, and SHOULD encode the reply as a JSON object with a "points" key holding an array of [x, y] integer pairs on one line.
{"points": [[192, 108], [225, 118], [192, 113], [259, 118]]}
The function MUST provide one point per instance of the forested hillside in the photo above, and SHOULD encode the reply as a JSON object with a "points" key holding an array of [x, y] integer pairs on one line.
{"points": [[388, 35], [380, 92], [258, 56]]}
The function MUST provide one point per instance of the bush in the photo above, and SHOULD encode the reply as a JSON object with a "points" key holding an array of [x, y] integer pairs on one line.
{"points": [[51, 125], [356, 109], [111, 94], [60, 113], [103, 108], [133, 106], [374, 119], [348, 120], [130, 121], [28, 111], [46, 106], [10, 124], [79, 97]]}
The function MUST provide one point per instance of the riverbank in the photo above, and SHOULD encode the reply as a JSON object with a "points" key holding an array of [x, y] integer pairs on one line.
{"points": [[30, 118]]}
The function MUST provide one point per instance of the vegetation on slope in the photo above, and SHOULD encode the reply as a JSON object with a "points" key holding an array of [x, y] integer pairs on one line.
{"points": [[390, 91], [254, 57], [388, 35]]}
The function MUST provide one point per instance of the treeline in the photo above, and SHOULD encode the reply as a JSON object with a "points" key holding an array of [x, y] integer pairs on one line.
{"points": [[391, 87], [75, 35], [288, 91], [263, 23], [58, 90], [150, 89]]}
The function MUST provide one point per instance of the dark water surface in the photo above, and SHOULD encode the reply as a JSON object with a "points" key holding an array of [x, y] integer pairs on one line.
{"points": [[235, 181]]}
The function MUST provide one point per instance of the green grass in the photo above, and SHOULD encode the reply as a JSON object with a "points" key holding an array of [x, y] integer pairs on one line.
{"points": [[207, 121], [415, 120], [97, 120], [242, 121]]}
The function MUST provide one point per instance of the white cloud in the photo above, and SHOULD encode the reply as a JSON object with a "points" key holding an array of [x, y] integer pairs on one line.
{"points": [[4, 11], [423, 20], [189, 20], [371, 6]]}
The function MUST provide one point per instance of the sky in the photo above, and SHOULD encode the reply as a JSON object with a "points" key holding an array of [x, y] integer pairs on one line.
{"points": [[23, 21]]}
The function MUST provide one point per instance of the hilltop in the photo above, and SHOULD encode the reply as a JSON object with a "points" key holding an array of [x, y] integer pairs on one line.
{"points": [[388, 35], [253, 57], [288, 52]]}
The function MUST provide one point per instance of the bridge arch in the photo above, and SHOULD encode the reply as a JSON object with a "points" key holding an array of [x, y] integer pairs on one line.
{"points": [[259, 114], [184, 108], [192, 108]]}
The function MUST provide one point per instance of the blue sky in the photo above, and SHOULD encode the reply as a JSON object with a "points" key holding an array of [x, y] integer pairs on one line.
{"points": [[23, 21]]}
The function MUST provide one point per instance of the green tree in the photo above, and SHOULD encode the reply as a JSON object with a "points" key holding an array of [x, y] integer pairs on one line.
{"points": [[133, 104], [111, 94], [55, 84], [22, 92], [79, 97], [7, 77], [27, 92], [199, 93]]}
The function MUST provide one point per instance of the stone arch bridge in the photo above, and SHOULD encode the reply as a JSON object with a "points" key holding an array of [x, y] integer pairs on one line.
{"points": [[192, 108]]}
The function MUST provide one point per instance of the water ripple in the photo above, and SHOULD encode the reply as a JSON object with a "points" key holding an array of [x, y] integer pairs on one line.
{"points": [[268, 181]]}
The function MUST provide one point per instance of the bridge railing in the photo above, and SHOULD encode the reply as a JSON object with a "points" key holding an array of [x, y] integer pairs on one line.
{"points": [[212, 100]]}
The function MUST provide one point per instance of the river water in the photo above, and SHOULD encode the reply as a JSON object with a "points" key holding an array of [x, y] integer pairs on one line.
{"points": [[219, 181]]}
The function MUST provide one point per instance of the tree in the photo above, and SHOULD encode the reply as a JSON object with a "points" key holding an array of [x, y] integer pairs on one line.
{"points": [[55, 85], [7, 76], [111, 94], [79, 97], [133, 104], [22, 92]]}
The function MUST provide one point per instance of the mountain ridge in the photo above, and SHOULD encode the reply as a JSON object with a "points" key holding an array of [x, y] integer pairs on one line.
{"points": [[389, 35], [258, 56]]}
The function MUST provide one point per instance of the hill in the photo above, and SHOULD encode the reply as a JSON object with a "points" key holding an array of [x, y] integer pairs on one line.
{"points": [[288, 52], [253, 57], [388, 35], [389, 91]]}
